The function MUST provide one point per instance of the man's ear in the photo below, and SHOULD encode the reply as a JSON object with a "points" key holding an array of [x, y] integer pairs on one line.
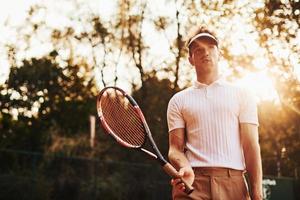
{"points": [[191, 60], [220, 53]]}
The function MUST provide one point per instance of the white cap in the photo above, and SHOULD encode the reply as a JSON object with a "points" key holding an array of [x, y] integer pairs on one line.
{"points": [[200, 35]]}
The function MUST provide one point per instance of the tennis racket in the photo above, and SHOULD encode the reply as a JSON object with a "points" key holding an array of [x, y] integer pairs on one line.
{"points": [[122, 118]]}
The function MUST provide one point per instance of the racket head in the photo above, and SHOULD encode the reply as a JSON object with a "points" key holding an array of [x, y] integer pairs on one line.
{"points": [[121, 117]]}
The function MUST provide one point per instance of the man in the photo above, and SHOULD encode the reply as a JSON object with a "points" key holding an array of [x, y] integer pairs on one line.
{"points": [[213, 131]]}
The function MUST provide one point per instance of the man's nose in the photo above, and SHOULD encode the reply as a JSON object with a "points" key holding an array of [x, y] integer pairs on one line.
{"points": [[206, 52]]}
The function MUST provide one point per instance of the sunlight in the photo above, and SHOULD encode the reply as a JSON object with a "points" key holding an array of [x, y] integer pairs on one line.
{"points": [[260, 63], [261, 85], [297, 71], [15, 15], [4, 70], [14, 10]]}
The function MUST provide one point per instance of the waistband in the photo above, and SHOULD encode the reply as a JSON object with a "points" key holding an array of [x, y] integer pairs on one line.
{"points": [[217, 171]]}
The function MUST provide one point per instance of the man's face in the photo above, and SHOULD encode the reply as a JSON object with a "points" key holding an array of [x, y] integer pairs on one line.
{"points": [[204, 55]]}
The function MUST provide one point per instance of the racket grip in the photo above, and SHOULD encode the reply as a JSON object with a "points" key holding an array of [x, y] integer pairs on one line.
{"points": [[171, 171]]}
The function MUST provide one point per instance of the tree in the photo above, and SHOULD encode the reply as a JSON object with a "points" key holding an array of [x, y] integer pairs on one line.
{"points": [[278, 26], [100, 52], [42, 94]]}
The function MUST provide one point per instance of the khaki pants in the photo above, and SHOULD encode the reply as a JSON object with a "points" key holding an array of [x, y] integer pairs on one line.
{"points": [[216, 184]]}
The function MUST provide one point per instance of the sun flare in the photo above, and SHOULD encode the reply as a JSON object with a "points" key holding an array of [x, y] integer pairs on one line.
{"points": [[261, 85]]}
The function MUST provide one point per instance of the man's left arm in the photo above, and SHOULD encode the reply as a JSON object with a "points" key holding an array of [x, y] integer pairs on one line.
{"points": [[251, 148]]}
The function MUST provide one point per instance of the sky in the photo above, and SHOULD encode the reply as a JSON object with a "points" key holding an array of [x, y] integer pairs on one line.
{"points": [[15, 11]]}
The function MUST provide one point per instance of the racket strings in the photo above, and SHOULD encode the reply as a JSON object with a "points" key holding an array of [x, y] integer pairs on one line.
{"points": [[118, 110], [122, 117], [126, 129], [131, 111], [118, 114]]}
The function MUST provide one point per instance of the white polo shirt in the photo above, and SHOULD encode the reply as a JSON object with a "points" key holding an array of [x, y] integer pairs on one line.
{"points": [[211, 115]]}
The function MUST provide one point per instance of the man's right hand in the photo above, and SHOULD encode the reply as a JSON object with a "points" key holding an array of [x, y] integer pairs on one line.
{"points": [[185, 173]]}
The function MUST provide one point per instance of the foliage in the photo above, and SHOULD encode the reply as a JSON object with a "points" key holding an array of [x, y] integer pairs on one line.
{"points": [[153, 99], [44, 95], [278, 26], [279, 139], [59, 177]]}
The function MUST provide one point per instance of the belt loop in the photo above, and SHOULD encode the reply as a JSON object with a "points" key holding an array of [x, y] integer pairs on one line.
{"points": [[229, 172]]}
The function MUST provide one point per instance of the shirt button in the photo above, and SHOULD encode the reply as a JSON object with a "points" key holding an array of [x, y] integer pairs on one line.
{"points": [[208, 94]]}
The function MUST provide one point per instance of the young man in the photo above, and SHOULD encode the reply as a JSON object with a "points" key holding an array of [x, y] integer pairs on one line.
{"points": [[213, 131]]}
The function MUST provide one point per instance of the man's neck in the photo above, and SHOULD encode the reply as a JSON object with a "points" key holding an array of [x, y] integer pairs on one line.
{"points": [[207, 79]]}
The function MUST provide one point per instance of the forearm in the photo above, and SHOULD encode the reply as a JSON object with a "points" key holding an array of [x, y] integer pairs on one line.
{"points": [[176, 151], [254, 169], [178, 159]]}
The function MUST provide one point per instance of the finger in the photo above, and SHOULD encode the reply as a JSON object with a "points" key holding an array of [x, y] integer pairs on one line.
{"points": [[182, 187], [175, 181], [180, 173], [178, 185], [179, 182]]}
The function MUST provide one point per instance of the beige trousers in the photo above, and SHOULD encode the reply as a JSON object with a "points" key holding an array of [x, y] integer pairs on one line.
{"points": [[216, 184]]}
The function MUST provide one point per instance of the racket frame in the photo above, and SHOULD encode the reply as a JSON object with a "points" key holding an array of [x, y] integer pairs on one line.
{"points": [[106, 126], [168, 168], [137, 109]]}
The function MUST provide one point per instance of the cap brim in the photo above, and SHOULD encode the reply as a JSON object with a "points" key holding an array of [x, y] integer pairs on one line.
{"points": [[202, 35]]}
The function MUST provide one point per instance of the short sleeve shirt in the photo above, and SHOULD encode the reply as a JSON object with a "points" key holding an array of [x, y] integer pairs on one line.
{"points": [[210, 115]]}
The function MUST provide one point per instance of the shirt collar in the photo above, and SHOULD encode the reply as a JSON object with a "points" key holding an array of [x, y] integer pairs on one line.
{"points": [[199, 85]]}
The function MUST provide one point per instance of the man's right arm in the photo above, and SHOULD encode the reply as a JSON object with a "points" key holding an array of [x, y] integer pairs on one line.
{"points": [[177, 157]]}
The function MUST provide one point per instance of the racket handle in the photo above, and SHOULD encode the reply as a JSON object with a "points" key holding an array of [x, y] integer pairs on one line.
{"points": [[169, 169]]}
